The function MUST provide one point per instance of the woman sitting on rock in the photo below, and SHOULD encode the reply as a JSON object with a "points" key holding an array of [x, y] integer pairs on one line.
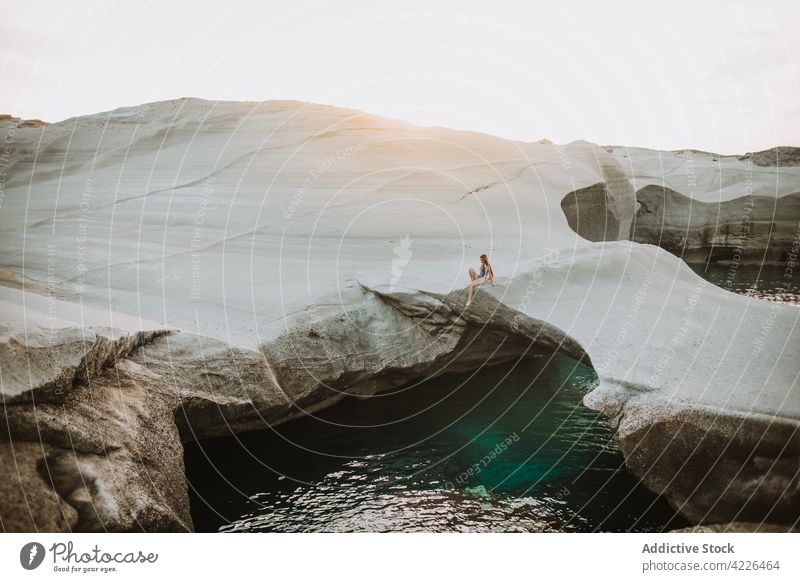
{"points": [[485, 276]]}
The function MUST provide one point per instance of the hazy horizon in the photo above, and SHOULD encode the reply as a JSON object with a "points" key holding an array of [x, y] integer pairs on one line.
{"points": [[717, 76], [628, 145]]}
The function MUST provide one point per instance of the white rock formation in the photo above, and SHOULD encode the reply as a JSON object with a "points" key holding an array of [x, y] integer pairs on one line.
{"points": [[710, 177], [305, 252], [700, 206]]}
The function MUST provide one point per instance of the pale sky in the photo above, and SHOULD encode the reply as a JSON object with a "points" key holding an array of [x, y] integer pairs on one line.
{"points": [[713, 75]]}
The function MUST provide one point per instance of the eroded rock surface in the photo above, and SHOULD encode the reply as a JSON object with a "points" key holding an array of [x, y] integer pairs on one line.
{"points": [[107, 456], [28, 503], [91, 433], [713, 465], [779, 156], [602, 211], [390, 338], [754, 229], [299, 253]]}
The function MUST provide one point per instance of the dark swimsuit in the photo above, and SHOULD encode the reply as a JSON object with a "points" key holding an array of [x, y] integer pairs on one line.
{"points": [[484, 274]]}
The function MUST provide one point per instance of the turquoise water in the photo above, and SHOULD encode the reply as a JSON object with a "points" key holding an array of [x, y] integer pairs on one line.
{"points": [[509, 448]]}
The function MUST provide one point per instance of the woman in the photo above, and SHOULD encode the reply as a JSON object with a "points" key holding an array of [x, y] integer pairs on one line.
{"points": [[485, 276]]}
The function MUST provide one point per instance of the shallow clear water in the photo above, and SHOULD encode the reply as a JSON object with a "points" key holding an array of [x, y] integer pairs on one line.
{"points": [[508, 448], [767, 282]]}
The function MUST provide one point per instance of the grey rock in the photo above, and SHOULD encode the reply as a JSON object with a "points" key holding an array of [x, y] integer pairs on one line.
{"points": [[27, 501], [713, 465], [777, 156], [110, 454], [602, 211], [755, 229]]}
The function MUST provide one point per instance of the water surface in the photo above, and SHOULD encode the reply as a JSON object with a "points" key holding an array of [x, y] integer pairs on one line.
{"points": [[763, 282], [508, 448]]}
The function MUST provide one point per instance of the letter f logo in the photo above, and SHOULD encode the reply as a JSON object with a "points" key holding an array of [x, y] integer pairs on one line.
{"points": [[31, 555]]}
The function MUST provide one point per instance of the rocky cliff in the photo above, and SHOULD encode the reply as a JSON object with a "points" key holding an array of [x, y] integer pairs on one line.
{"points": [[275, 257]]}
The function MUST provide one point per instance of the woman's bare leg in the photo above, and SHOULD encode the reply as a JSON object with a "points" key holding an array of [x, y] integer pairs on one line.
{"points": [[470, 289], [472, 274]]}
